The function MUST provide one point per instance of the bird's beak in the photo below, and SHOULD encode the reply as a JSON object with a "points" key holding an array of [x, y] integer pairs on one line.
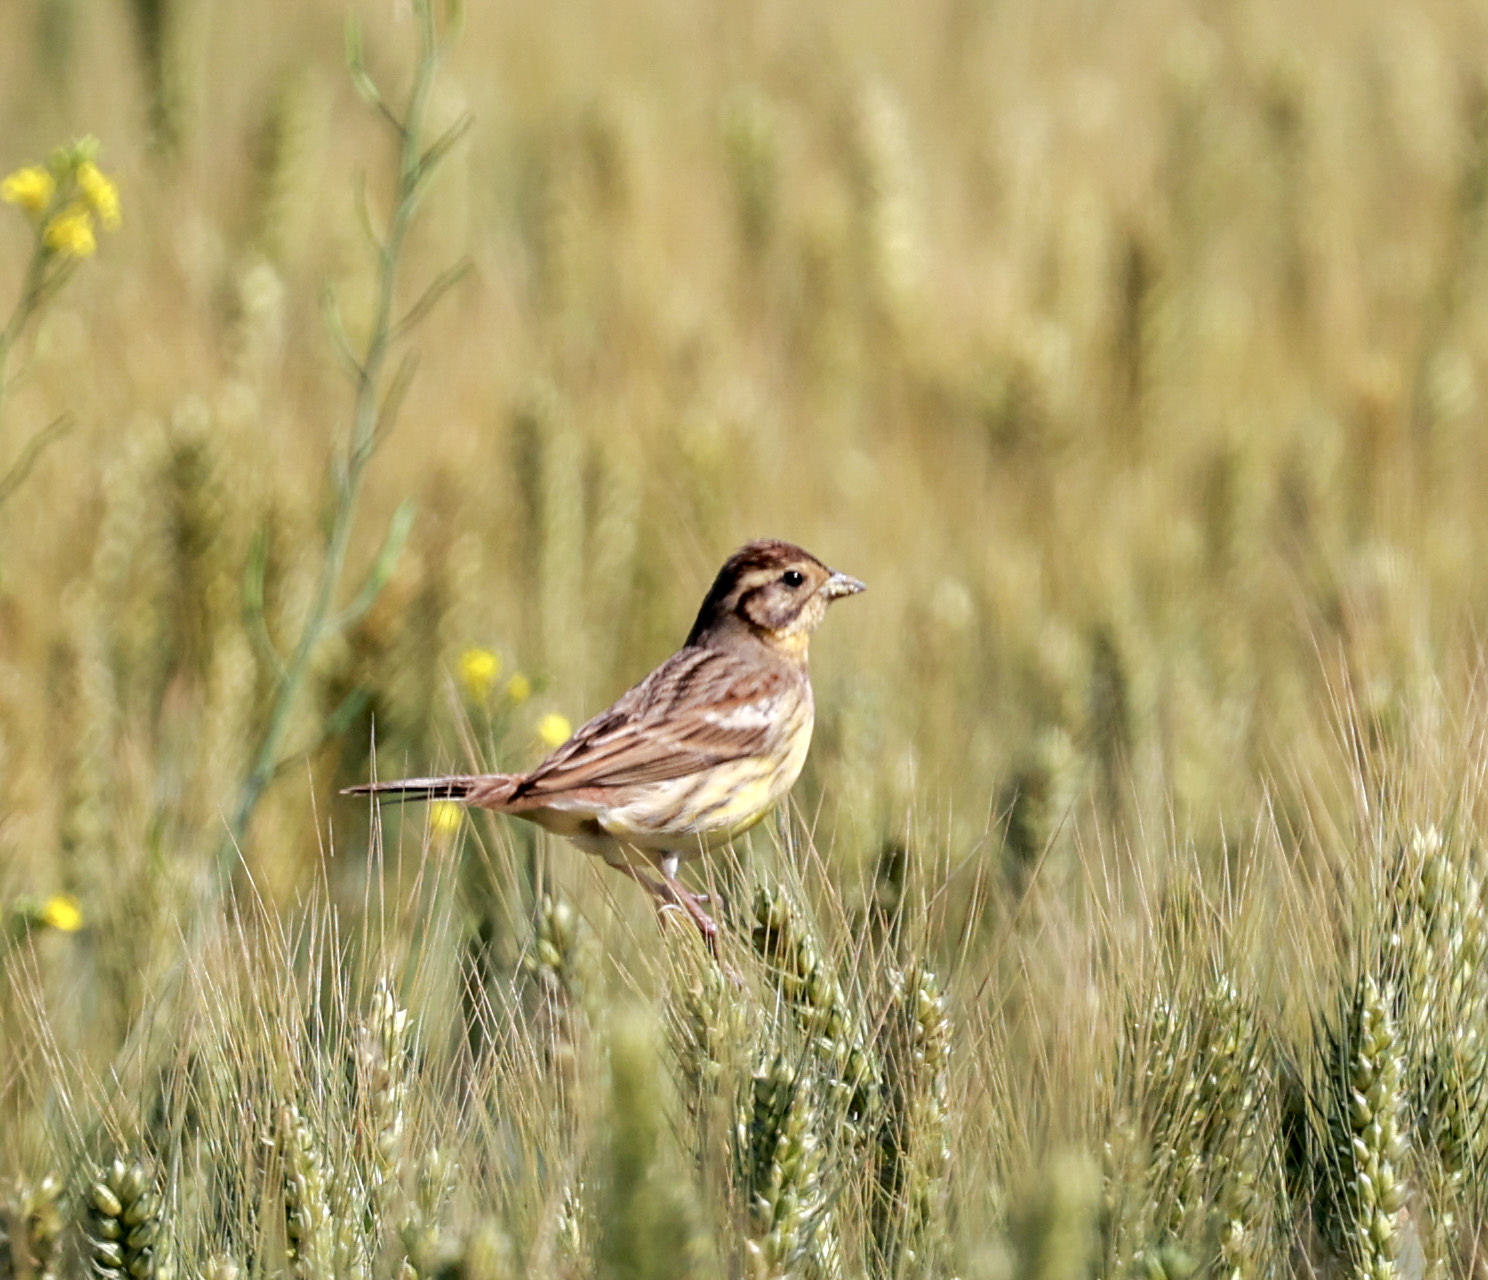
{"points": [[839, 585]]}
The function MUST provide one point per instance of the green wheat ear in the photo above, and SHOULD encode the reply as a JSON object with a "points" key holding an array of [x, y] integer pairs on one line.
{"points": [[308, 1227], [1366, 1147], [780, 1160], [221, 1266], [1109, 725], [562, 971], [751, 144], [161, 28], [833, 1027], [427, 1248], [488, 1255], [1054, 1232], [1434, 947], [910, 1207], [380, 1046], [886, 195], [126, 1228], [648, 1227], [281, 172], [31, 1227]]}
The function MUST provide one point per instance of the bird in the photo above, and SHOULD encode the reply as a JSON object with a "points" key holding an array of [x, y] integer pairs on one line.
{"points": [[696, 753]]}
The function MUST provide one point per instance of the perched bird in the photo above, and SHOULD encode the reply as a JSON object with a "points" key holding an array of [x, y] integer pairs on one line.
{"points": [[699, 751]]}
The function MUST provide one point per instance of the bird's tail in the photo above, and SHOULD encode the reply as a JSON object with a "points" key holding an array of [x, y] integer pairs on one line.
{"points": [[458, 787]]}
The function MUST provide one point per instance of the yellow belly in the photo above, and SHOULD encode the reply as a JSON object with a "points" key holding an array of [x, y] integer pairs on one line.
{"points": [[703, 811]]}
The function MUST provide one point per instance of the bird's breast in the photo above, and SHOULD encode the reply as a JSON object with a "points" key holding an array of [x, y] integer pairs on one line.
{"points": [[712, 806]]}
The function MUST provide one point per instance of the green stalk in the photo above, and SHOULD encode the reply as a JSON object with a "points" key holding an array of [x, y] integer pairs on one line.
{"points": [[25, 307], [368, 410], [34, 290]]}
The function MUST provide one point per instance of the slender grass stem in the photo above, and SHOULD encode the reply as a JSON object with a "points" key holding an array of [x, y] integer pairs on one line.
{"points": [[370, 414]]}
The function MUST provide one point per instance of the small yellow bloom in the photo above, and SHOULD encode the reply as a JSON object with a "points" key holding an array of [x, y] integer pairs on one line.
{"points": [[31, 188], [519, 687], [554, 730], [445, 816], [100, 192], [478, 671], [70, 233], [62, 912]]}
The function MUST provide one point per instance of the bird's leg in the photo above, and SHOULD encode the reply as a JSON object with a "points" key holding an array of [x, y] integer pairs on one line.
{"points": [[668, 866], [692, 904], [688, 901], [650, 884], [670, 893]]}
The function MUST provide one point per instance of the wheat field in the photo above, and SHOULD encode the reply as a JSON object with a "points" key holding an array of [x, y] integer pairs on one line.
{"points": [[1128, 919]]}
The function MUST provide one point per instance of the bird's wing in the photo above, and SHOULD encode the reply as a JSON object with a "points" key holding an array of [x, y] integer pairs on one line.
{"points": [[700, 708]]}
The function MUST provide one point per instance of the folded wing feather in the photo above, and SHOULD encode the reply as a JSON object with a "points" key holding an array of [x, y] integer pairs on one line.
{"points": [[700, 709]]}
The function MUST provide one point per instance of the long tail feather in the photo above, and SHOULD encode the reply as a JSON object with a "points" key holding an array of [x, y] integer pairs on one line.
{"points": [[410, 789]]}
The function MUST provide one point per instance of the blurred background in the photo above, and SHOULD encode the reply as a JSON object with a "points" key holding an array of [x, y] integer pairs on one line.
{"points": [[1133, 355], [1132, 360]]}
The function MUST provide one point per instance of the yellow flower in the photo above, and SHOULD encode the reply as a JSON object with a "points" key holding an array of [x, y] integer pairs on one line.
{"points": [[62, 912], [70, 233], [31, 188], [478, 671], [445, 816], [519, 687], [101, 194], [554, 730]]}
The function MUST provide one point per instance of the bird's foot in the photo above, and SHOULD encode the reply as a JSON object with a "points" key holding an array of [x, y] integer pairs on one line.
{"points": [[671, 894], [692, 903]]}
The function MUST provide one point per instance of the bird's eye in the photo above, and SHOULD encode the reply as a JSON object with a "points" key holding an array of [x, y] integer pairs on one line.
{"points": [[793, 578]]}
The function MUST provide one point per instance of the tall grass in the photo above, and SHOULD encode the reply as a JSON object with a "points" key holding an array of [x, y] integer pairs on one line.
{"points": [[1126, 918]]}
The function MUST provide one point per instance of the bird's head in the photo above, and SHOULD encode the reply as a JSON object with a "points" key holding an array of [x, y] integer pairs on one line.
{"points": [[771, 591]]}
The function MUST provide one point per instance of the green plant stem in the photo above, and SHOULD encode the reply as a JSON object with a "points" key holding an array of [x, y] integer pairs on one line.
{"points": [[26, 306], [11, 480], [367, 413]]}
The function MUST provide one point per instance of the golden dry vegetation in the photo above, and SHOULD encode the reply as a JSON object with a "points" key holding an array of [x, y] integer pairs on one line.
{"points": [[1129, 917]]}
